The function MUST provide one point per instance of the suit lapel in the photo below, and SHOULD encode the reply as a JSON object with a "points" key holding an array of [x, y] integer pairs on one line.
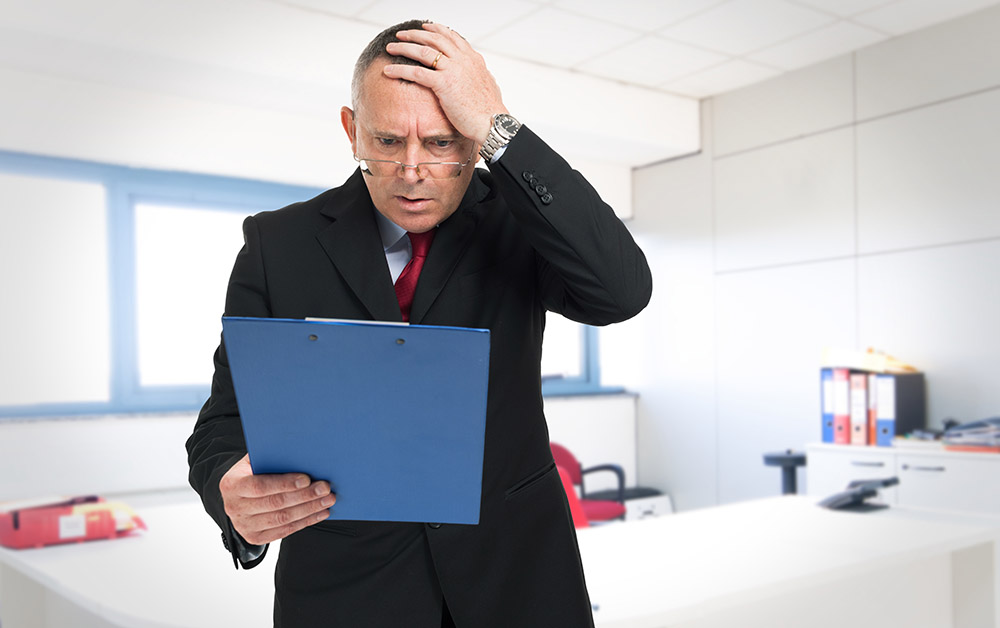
{"points": [[450, 243], [353, 244]]}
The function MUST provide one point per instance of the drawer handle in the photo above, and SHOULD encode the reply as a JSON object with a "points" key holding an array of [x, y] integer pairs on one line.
{"points": [[863, 463], [907, 467]]}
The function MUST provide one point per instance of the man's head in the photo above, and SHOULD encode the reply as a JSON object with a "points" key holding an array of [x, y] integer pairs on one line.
{"points": [[395, 120]]}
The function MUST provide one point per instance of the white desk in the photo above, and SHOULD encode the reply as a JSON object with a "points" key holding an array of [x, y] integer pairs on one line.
{"points": [[778, 562], [784, 562]]}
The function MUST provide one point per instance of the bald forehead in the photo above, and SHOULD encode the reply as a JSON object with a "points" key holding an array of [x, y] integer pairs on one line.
{"points": [[394, 107]]}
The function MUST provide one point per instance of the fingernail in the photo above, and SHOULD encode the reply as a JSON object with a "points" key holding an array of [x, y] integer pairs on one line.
{"points": [[321, 489], [327, 501], [323, 516], [302, 482]]}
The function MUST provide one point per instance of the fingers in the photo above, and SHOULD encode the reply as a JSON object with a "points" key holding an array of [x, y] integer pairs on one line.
{"points": [[263, 486], [279, 502], [264, 508], [240, 481], [271, 526], [412, 73], [436, 36], [418, 52]]}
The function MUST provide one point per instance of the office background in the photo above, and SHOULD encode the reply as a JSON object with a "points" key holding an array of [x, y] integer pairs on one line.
{"points": [[849, 203]]}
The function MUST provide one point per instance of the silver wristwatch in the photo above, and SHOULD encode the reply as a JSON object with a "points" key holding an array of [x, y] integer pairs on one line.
{"points": [[505, 127]]}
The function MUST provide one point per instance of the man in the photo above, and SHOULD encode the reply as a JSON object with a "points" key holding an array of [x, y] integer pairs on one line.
{"points": [[506, 245]]}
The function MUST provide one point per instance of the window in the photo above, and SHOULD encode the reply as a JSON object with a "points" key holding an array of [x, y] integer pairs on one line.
{"points": [[55, 286], [183, 256], [114, 283]]}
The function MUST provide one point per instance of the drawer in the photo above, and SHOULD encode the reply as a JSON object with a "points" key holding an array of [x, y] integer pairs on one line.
{"points": [[829, 471], [967, 484]]}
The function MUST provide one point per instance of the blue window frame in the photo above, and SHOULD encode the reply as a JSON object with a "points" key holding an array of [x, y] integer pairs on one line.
{"points": [[126, 188]]}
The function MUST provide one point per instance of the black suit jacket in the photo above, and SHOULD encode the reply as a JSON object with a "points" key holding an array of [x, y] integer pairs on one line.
{"points": [[532, 235]]}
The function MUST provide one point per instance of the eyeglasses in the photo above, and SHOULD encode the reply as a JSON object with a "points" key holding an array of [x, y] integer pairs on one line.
{"points": [[425, 169]]}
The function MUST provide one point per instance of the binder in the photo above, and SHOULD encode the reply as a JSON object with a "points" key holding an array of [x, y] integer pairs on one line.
{"points": [[56, 521], [826, 403], [872, 408], [859, 408], [900, 405], [393, 416], [841, 407]]}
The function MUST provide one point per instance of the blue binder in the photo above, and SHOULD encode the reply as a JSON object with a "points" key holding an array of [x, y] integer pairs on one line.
{"points": [[826, 403], [393, 416]]}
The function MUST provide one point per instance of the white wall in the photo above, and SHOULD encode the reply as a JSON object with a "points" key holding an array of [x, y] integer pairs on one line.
{"points": [[854, 203], [598, 430]]}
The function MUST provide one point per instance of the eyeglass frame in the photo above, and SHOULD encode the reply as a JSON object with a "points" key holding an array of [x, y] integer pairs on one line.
{"points": [[461, 165]]}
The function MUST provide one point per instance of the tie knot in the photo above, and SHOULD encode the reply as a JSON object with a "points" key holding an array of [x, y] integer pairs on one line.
{"points": [[421, 242]]}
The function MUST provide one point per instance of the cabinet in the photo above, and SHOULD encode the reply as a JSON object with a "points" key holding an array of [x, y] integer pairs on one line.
{"points": [[930, 479]]}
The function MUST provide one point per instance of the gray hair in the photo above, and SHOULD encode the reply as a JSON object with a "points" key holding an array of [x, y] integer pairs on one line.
{"points": [[376, 50]]}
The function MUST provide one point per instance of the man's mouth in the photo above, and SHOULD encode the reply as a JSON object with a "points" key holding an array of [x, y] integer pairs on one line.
{"points": [[413, 204]]}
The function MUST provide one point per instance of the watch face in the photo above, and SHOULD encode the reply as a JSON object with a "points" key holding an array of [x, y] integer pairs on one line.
{"points": [[508, 124]]}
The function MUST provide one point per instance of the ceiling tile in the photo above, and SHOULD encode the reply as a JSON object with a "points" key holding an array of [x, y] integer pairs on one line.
{"points": [[333, 7], [909, 15], [742, 26], [651, 61], [473, 20], [721, 78], [832, 41], [643, 15], [844, 8], [557, 38]]}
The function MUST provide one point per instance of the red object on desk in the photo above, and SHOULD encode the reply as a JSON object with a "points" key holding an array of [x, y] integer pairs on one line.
{"points": [[982, 449], [80, 519]]}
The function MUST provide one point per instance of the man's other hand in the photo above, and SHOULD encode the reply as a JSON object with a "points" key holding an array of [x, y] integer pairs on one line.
{"points": [[265, 508], [455, 72]]}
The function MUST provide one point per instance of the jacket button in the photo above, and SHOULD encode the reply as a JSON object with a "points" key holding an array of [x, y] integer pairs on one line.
{"points": [[532, 182], [546, 198], [541, 189], [527, 175], [434, 526]]}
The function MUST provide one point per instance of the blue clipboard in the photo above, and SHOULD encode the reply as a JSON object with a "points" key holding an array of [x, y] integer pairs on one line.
{"points": [[393, 416]]}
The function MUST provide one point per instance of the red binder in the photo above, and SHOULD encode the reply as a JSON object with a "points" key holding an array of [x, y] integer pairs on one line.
{"points": [[872, 408], [841, 407], [859, 409], [80, 519]]}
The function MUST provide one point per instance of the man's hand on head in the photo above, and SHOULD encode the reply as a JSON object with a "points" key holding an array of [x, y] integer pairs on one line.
{"points": [[455, 72], [265, 508]]}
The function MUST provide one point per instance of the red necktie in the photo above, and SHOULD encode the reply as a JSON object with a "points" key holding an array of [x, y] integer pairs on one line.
{"points": [[406, 284]]}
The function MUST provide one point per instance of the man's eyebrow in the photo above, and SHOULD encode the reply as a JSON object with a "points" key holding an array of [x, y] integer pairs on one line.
{"points": [[384, 134], [453, 137]]}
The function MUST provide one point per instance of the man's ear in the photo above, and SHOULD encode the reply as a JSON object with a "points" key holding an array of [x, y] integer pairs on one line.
{"points": [[347, 119]]}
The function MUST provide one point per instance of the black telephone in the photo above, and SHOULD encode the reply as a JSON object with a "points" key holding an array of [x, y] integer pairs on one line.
{"points": [[856, 494]]}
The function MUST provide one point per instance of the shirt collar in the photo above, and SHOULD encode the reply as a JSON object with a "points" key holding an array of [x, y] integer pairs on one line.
{"points": [[391, 232]]}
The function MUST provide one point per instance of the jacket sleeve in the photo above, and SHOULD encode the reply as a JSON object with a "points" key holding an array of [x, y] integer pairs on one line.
{"points": [[591, 270], [217, 442]]}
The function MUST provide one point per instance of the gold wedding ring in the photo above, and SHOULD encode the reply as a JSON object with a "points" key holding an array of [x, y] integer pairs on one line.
{"points": [[434, 65]]}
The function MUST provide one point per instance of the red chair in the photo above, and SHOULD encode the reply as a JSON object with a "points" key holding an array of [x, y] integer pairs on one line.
{"points": [[595, 509], [579, 519]]}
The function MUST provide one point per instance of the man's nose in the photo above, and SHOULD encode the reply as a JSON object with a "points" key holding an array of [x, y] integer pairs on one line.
{"points": [[411, 173], [412, 156]]}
